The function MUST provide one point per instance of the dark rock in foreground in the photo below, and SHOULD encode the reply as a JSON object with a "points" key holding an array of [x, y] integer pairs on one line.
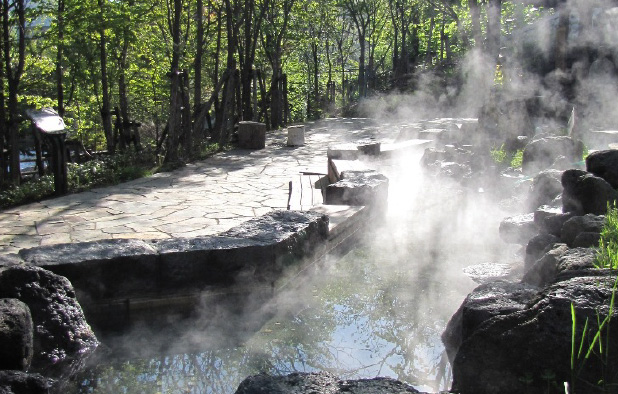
{"points": [[527, 350], [585, 193], [578, 225], [16, 382], [483, 303], [16, 335], [61, 334], [320, 383], [604, 164]]}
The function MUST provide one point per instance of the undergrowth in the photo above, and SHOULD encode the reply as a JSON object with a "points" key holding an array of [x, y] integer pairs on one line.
{"points": [[102, 171], [594, 338]]}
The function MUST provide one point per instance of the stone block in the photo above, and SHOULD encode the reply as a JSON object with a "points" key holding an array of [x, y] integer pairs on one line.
{"points": [[296, 135], [358, 188], [251, 135], [192, 263], [101, 269]]}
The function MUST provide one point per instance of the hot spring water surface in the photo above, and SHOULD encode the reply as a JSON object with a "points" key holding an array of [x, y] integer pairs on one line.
{"points": [[377, 311]]}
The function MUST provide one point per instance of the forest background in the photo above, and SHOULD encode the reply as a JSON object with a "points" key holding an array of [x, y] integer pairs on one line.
{"points": [[186, 71]]}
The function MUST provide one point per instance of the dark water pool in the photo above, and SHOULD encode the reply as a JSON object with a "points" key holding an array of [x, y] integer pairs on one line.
{"points": [[377, 311]]}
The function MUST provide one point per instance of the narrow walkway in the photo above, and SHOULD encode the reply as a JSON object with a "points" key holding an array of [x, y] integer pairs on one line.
{"points": [[203, 198]]}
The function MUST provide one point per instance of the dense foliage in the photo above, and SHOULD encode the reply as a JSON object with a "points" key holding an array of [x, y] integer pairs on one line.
{"points": [[188, 70]]}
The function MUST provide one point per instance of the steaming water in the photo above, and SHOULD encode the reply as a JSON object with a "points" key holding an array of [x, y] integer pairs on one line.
{"points": [[377, 311]]}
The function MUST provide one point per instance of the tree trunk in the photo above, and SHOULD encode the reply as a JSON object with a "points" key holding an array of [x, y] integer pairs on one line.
{"points": [[316, 77], [3, 120], [276, 115], [561, 43], [362, 79], [247, 62], [430, 40], [106, 115], [14, 76], [494, 25], [122, 96], [59, 56], [199, 53], [174, 122], [187, 132], [475, 17], [226, 121]]}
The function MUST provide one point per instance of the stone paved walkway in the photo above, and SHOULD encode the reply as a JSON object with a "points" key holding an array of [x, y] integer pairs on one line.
{"points": [[202, 198]]}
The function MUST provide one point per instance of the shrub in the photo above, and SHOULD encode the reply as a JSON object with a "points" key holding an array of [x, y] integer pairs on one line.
{"points": [[607, 256]]}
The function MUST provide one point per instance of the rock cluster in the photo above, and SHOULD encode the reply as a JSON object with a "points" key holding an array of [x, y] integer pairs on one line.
{"points": [[518, 337], [43, 331]]}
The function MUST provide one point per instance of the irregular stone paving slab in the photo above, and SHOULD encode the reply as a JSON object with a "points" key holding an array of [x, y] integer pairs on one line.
{"points": [[224, 190]]}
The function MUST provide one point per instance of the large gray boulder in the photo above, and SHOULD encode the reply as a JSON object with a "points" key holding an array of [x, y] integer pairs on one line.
{"points": [[486, 301], [16, 335], [545, 188], [585, 193], [319, 383], [529, 350], [578, 226], [518, 229], [541, 153], [358, 188], [537, 246], [604, 164], [543, 271], [62, 337]]}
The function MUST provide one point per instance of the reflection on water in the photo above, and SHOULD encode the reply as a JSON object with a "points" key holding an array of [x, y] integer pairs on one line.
{"points": [[378, 311]]}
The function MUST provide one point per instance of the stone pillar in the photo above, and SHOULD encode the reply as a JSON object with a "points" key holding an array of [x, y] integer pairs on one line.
{"points": [[251, 135], [296, 135]]}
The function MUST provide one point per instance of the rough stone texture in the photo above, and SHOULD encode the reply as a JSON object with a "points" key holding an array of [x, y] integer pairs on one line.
{"points": [[604, 164], [586, 240], [576, 262], [251, 135], [190, 263], [289, 234], [552, 224], [515, 353], [450, 154], [545, 211], [371, 148], [10, 260], [543, 271], [483, 303], [61, 333], [561, 263], [358, 188], [101, 269], [537, 246], [518, 229], [586, 193], [319, 383], [541, 153], [118, 269], [16, 335], [545, 187], [17, 382], [577, 225]]}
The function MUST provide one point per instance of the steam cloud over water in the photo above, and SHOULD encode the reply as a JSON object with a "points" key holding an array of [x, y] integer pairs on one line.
{"points": [[380, 310]]}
